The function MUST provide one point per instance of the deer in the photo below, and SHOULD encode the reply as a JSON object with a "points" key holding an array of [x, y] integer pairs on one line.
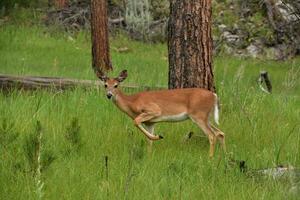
{"points": [[169, 105]]}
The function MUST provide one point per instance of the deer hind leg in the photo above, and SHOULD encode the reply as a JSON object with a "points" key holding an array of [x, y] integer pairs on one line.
{"points": [[202, 122], [221, 137]]}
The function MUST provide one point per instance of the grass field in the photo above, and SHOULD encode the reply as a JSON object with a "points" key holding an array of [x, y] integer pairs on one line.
{"points": [[90, 150]]}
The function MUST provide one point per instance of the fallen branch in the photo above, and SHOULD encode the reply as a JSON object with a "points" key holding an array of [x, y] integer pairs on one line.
{"points": [[116, 21], [9, 82]]}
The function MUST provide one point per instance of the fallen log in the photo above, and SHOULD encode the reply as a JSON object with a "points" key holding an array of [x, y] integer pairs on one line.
{"points": [[10, 82], [117, 20]]}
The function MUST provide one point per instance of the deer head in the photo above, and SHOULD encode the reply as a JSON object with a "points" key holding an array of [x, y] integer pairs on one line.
{"points": [[111, 84]]}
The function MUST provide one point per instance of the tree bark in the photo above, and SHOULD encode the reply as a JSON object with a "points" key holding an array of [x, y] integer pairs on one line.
{"points": [[100, 42], [190, 44]]}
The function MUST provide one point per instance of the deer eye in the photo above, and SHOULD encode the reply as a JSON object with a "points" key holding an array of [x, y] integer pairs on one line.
{"points": [[115, 86], [105, 85]]}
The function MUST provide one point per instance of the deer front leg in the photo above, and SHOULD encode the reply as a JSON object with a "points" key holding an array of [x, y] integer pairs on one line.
{"points": [[150, 128], [143, 118], [149, 135]]}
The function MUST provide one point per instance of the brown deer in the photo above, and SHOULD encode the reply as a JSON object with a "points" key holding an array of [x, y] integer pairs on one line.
{"points": [[149, 107]]}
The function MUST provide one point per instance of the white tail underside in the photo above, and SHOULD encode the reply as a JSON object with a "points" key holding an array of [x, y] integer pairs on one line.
{"points": [[216, 110]]}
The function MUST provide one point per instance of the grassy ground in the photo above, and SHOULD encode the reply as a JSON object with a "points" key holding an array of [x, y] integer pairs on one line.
{"points": [[82, 129]]}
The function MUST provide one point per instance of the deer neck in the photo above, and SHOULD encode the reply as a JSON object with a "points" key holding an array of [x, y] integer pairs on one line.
{"points": [[122, 101]]}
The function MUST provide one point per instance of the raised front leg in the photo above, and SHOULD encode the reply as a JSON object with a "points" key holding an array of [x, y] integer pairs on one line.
{"points": [[144, 117], [147, 134], [148, 112], [150, 128]]}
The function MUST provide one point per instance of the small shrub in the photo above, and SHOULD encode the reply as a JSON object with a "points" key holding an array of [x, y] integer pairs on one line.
{"points": [[72, 135], [47, 158], [7, 133], [138, 17], [32, 147], [7, 5], [34, 150]]}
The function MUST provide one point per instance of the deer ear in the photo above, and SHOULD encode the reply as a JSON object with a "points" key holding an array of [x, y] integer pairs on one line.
{"points": [[101, 76], [122, 76]]}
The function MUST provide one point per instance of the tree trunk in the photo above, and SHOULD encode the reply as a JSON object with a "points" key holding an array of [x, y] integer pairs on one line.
{"points": [[190, 44], [100, 41]]}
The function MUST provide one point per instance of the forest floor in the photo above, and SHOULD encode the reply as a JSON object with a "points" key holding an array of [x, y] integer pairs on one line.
{"points": [[90, 150]]}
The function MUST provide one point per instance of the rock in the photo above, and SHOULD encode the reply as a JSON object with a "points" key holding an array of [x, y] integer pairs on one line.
{"points": [[271, 53], [236, 27], [222, 27], [158, 31], [230, 38], [253, 50], [287, 11], [228, 50], [221, 14], [284, 173], [277, 172]]}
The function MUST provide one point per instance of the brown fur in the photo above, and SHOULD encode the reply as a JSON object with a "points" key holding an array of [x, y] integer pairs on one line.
{"points": [[149, 107]]}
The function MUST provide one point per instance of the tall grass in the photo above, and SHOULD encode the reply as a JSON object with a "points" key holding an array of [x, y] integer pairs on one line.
{"points": [[97, 153]]}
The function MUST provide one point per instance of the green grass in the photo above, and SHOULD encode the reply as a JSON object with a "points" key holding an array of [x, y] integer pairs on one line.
{"points": [[37, 51], [257, 126]]}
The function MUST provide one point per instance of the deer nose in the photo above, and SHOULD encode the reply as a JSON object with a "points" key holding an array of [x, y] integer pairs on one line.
{"points": [[109, 95]]}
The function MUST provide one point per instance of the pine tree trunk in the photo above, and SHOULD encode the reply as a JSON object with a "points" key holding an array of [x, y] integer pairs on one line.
{"points": [[100, 42], [190, 44]]}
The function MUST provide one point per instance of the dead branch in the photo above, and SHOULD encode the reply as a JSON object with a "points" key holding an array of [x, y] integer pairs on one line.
{"points": [[9, 82]]}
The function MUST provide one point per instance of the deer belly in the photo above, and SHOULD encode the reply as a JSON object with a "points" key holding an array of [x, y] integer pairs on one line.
{"points": [[171, 118]]}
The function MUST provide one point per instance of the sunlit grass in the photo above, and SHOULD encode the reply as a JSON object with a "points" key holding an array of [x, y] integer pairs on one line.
{"points": [[257, 126]]}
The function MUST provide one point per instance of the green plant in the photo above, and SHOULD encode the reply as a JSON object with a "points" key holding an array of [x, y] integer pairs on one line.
{"points": [[255, 124], [7, 5], [138, 17], [7, 133], [32, 147], [72, 135]]}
